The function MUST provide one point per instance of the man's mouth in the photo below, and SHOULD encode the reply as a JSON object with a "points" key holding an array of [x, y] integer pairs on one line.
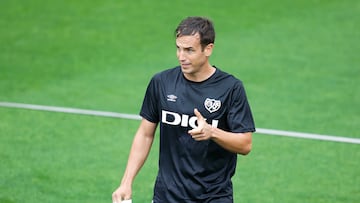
{"points": [[185, 65]]}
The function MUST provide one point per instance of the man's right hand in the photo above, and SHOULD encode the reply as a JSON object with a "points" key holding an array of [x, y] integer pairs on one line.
{"points": [[121, 193]]}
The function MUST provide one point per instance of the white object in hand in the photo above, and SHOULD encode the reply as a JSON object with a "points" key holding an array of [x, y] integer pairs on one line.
{"points": [[127, 201]]}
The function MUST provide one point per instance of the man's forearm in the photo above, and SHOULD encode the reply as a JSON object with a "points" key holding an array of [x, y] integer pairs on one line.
{"points": [[239, 143], [138, 154]]}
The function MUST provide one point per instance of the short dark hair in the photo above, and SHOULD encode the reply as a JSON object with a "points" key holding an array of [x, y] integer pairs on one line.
{"points": [[193, 25]]}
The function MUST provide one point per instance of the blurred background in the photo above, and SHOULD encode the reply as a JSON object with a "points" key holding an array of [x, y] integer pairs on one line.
{"points": [[299, 61]]}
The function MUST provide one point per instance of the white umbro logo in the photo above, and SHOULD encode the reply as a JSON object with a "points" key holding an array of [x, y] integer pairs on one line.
{"points": [[212, 105], [171, 98]]}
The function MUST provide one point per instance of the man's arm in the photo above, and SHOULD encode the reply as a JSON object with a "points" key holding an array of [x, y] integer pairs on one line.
{"points": [[239, 143], [139, 151]]}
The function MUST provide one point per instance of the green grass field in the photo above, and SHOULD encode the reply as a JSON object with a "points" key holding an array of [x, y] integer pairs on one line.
{"points": [[299, 61]]}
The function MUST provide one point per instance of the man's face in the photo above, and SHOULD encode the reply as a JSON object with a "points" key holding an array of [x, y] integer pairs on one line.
{"points": [[191, 56]]}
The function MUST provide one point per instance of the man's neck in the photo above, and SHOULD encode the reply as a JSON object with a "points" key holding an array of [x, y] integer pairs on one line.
{"points": [[204, 74]]}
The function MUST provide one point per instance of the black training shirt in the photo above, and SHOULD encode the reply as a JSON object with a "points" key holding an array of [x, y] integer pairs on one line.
{"points": [[189, 170]]}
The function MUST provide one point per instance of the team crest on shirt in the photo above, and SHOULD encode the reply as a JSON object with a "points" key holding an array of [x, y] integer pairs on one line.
{"points": [[212, 105]]}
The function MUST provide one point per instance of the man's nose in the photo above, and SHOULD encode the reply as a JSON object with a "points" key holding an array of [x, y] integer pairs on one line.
{"points": [[180, 55]]}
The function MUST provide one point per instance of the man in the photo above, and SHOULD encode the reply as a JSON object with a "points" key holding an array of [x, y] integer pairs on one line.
{"points": [[205, 121]]}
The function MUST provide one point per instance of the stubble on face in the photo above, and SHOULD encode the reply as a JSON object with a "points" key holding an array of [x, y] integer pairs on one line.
{"points": [[192, 58]]}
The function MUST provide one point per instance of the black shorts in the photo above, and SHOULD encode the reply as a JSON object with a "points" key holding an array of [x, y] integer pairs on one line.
{"points": [[158, 199]]}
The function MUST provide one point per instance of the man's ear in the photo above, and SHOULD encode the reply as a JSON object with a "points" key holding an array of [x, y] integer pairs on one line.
{"points": [[208, 49]]}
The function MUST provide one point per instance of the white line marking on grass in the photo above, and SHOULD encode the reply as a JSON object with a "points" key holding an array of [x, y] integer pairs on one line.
{"points": [[308, 136], [136, 117], [70, 110]]}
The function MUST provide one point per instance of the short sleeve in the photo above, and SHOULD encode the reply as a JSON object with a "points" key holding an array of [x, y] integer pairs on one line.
{"points": [[240, 119], [150, 106]]}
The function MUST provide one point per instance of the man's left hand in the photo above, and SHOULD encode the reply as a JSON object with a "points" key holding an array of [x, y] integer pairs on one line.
{"points": [[203, 130]]}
